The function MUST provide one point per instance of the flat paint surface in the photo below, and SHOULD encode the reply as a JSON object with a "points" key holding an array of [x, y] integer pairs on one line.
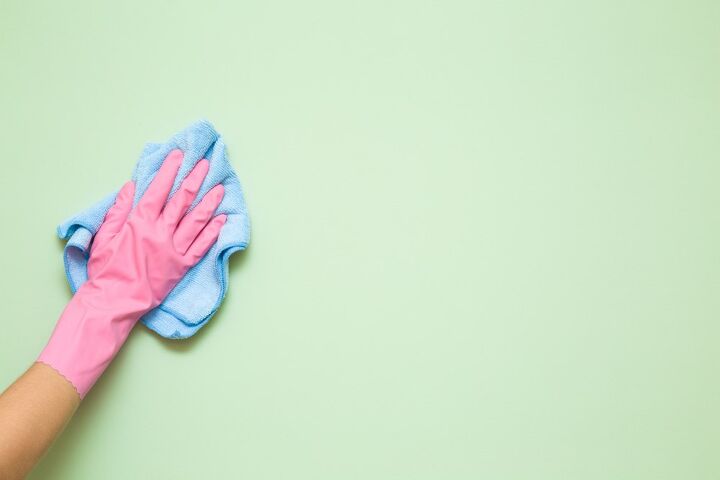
{"points": [[486, 234]]}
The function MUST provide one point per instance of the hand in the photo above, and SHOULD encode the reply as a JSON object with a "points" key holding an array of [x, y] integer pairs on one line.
{"points": [[137, 257]]}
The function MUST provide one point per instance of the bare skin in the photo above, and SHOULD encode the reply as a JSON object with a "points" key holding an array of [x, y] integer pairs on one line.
{"points": [[33, 411]]}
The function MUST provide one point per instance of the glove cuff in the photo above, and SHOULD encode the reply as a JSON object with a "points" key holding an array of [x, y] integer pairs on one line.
{"points": [[86, 339]]}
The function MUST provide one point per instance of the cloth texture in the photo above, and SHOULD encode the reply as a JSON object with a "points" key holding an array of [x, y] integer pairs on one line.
{"points": [[197, 296]]}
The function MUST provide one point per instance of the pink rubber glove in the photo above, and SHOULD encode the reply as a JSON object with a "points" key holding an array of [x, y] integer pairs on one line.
{"points": [[137, 257]]}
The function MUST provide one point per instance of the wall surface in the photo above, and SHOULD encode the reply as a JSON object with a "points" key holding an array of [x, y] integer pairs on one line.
{"points": [[486, 234]]}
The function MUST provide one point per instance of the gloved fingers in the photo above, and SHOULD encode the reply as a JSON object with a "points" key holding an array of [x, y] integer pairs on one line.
{"points": [[192, 224], [117, 215], [154, 198], [183, 198], [205, 239]]}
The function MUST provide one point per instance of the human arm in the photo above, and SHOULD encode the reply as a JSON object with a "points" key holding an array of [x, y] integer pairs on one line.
{"points": [[138, 255], [33, 411]]}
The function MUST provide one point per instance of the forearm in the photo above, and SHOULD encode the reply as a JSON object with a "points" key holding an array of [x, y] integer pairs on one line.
{"points": [[33, 411]]}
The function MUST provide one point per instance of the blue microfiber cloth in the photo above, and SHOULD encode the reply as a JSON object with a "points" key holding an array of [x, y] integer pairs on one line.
{"points": [[195, 299]]}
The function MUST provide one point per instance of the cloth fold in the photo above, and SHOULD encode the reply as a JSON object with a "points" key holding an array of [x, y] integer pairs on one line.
{"points": [[196, 298]]}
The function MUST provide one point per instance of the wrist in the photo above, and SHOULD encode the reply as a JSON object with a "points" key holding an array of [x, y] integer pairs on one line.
{"points": [[87, 336]]}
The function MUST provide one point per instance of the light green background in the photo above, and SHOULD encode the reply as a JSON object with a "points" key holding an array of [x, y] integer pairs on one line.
{"points": [[486, 239]]}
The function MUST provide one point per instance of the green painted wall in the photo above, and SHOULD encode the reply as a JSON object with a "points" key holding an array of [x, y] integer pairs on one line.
{"points": [[486, 235]]}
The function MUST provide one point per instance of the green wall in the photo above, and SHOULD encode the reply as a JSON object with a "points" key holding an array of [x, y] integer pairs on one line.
{"points": [[486, 239]]}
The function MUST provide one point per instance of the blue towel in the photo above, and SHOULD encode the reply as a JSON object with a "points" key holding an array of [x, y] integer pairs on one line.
{"points": [[195, 299]]}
